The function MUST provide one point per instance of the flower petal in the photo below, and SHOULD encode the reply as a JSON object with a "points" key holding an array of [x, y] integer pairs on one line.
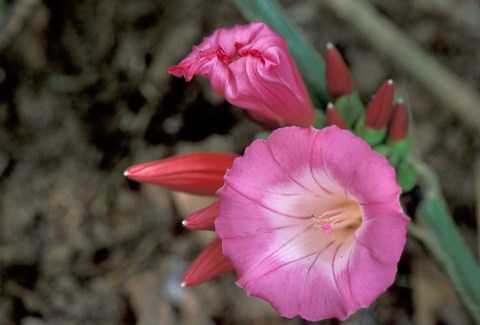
{"points": [[378, 220], [374, 181], [348, 160], [368, 277]]}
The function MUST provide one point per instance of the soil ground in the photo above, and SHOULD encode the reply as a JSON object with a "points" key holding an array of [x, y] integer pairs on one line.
{"points": [[84, 93]]}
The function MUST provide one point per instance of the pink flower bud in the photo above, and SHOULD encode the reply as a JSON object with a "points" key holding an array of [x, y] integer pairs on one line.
{"points": [[251, 67], [339, 79], [334, 118], [209, 264], [379, 110], [398, 128], [195, 173]]}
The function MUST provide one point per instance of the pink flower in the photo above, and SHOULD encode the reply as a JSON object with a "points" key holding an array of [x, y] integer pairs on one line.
{"points": [[251, 67], [312, 223]]}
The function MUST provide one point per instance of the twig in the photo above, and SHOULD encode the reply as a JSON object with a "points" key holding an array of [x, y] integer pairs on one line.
{"points": [[465, 14], [15, 20], [476, 171], [453, 92], [445, 241]]}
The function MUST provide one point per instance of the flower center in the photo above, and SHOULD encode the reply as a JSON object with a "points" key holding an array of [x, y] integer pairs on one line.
{"points": [[347, 216]]}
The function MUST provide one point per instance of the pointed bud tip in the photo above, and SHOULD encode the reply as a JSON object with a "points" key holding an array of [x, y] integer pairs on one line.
{"points": [[185, 223], [126, 173], [398, 126], [334, 118], [337, 75], [380, 109], [183, 284]]}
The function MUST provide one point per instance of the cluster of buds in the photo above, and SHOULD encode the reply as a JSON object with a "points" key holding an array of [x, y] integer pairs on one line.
{"points": [[198, 173], [382, 123]]}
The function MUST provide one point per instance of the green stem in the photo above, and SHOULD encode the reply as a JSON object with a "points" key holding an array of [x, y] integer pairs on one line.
{"points": [[309, 62], [446, 243]]}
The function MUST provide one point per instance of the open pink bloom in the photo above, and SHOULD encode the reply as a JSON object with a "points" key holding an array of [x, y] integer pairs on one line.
{"points": [[251, 67], [312, 222]]}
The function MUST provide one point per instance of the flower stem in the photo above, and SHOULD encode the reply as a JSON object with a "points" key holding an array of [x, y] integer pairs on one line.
{"points": [[445, 241]]}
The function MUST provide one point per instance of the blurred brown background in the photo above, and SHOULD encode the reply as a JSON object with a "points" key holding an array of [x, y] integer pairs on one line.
{"points": [[84, 93]]}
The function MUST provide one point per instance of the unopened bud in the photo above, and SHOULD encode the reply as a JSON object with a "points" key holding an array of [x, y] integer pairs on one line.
{"points": [[209, 264], [334, 118], [379, 110], [194, 173], [338, 77], [398, 127], [203, 219]]}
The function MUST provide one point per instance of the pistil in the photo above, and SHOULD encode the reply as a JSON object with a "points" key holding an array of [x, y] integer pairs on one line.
{"points": [[346, 217]]}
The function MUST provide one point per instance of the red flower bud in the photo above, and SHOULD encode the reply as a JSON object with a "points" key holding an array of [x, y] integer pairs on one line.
{"points": [[203, 219], [195, 173], [339, 79], [209, 264], [379, 110], [334, 118], [398, 127]]}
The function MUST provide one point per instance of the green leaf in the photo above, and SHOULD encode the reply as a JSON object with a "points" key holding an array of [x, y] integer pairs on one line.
{"points": [[350, 107], [320, 119], [262, 135], [371, 136], [406, 175], [400, 148]]}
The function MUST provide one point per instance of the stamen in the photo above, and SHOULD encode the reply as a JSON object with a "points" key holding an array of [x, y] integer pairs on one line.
{"points": [[345, 217], [327, 229], [322, 222]]}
